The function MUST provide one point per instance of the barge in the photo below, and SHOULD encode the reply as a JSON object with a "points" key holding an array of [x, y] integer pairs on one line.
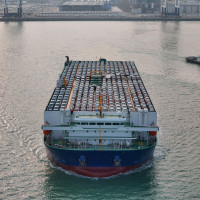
{"points": [[100, 120]]}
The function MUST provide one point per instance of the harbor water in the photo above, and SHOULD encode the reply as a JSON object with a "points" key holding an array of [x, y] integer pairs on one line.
{"points": [[32, 54]]}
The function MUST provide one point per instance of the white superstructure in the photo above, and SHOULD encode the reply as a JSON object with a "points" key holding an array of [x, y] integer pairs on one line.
{"points": [[100, 103]]}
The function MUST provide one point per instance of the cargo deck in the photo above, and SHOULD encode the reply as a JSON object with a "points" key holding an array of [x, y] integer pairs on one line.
{"points": [[83, 83]]}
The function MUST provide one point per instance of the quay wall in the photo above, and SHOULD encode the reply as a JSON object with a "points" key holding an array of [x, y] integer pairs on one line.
{"points": [[101, 19]]}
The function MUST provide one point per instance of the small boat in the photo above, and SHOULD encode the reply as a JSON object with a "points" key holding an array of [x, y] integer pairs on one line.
{"points": [[193, 59]]}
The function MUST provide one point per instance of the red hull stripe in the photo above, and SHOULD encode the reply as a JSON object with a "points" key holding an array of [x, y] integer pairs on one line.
{"points": [[97, 171]]}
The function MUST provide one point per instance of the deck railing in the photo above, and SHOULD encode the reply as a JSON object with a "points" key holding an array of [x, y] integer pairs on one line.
{"points": [[65, 144]]}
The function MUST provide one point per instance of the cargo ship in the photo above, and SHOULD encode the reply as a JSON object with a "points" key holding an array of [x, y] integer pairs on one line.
{"points": [[193, 59], [100, 120]]}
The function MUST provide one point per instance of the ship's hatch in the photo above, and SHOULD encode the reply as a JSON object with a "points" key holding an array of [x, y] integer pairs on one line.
{"points": [[96, 78]]}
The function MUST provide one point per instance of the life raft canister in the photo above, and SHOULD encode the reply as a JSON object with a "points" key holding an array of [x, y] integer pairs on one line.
{"points": [[46, 132], [153, 133]]}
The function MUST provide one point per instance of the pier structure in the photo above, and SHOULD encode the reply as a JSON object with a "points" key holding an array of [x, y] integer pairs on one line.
{"points": [[170, 7], [5, 8], [17, 14], [177, 7]]}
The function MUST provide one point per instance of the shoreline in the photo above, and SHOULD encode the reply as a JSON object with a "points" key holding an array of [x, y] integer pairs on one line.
{"points": [[100, 19]]}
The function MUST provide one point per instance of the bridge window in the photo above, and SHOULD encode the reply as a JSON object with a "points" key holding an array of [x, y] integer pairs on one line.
{"points": [[84, 123]]}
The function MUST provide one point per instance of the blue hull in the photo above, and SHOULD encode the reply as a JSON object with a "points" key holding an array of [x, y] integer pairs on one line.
{"points": [[99, 163]]}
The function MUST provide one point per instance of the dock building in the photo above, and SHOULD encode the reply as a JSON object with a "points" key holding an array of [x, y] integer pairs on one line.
{"points": [[84, 6]]}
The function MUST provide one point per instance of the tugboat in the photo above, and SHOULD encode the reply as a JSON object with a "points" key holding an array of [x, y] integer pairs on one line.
{"points": [[193, 59]]}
